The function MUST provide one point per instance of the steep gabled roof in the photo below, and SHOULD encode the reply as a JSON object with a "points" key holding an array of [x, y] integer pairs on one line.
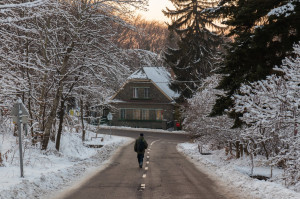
{"points": [[159, 76]]}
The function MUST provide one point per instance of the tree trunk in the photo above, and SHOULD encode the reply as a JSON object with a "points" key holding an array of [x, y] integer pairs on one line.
{"points": [[42, 111], [51, 118], [265, 149], [1, 161], [254, 147], [246, 150], [42, 104], [29, 104], [237, 146], [53, 131], [82, 122], [61, 120], [241, 150], [230, 148], [57, 98]]}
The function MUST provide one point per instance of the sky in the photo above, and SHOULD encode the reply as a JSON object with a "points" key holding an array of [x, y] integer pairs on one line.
{"points": [[155, 10]]}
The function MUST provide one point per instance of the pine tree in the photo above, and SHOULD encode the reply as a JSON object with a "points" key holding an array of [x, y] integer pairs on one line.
{"points": [[196, 51], [264, 32]]}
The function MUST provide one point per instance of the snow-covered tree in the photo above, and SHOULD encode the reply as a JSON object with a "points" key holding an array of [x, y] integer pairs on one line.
{"points": [[215, 130], [51, 47], [271, 114], [264, 33]]}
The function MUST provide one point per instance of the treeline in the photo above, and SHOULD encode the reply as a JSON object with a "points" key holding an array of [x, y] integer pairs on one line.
{"points": [[144, 34]]}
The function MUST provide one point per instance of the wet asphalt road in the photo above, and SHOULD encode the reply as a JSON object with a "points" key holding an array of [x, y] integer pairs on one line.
{"points": [[166, 174]]}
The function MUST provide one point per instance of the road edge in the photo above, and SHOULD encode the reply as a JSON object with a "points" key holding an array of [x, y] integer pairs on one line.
{"points": [[69, 189]]}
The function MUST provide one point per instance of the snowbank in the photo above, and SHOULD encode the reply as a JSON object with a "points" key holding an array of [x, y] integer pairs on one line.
{"points": [[142, 129], [231, 174], [51, 171]]}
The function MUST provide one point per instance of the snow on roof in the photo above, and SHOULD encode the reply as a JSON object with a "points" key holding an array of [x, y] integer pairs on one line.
{"points": [[158, 75]]}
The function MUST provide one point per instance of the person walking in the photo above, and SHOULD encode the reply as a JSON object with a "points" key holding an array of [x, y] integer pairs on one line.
{"points": [[139, 147]]}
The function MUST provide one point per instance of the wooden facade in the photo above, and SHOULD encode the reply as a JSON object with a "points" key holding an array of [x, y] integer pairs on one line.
{"points": [[142, 103]]}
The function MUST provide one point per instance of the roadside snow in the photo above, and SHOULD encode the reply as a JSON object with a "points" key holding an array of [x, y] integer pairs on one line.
{"points": [[232, 175], [52, 171], [142, 129]]}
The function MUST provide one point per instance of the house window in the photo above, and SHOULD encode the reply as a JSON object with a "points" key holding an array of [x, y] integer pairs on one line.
{"points": [[159, 115], [122, 114], [136, 114], [145, 114], [135, 92], [146, 93]]}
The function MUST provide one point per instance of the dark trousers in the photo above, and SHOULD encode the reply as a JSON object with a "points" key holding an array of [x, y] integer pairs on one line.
{"points": [[140, 158]]}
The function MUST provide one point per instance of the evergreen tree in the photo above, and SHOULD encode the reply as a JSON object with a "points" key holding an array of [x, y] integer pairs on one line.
{"points": [[196, 51], [264, 32]]}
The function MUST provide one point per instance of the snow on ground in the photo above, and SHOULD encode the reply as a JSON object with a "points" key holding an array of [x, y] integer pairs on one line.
{"points": [[52, 171], [142, 129], [232, 174]]}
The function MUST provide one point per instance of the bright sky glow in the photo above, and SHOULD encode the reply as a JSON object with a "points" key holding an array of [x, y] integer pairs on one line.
{"points": [[155, 10]]}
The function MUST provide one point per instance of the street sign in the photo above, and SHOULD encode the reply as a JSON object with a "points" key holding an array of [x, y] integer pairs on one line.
{"points": [[24, 119], [15, 113], [109, 116], [15, 109], [19, 112]]}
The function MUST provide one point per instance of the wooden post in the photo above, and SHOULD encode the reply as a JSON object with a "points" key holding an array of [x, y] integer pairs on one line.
{"points": [[200, 148], [271, 172]]}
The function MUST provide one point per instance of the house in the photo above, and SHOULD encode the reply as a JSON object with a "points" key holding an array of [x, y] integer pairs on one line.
{"points": [[145, 100]]}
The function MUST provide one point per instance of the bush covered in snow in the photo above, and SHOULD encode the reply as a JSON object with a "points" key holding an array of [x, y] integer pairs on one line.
{"points": [[197, 122], [271, 112]]}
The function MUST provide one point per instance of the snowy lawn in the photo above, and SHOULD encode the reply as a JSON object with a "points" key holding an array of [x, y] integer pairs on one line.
{"points": [[51, 171], [233, 174]]}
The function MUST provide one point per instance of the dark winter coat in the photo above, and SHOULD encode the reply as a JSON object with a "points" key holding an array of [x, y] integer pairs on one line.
{"points": [[136, 145]]}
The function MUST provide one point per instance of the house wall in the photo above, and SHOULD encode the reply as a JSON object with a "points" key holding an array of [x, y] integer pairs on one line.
{"points": [[156, 102], [126, 93], [152, 122]]}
